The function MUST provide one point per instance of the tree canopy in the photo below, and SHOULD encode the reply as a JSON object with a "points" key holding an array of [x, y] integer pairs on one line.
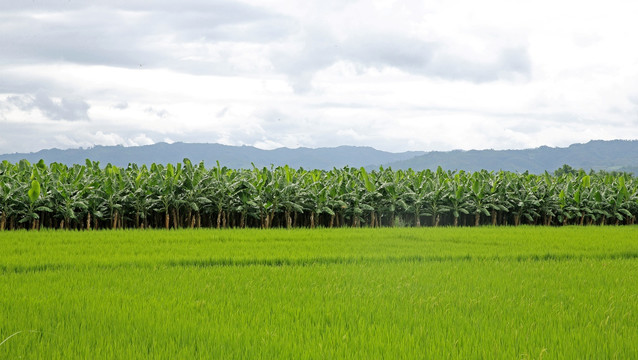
{"points": [[90, 196]]}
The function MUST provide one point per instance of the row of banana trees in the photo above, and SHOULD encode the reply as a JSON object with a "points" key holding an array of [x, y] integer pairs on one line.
{"points": [[187, 195]]}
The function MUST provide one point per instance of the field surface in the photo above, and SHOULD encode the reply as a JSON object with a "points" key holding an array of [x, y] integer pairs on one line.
{"points": [[514, 293]]}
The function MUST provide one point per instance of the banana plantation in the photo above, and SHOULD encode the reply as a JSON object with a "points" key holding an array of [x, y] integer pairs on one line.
{"points": [[91, 196]]}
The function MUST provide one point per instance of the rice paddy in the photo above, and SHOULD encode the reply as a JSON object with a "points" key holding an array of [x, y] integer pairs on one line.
{"points": [[487, 292]]}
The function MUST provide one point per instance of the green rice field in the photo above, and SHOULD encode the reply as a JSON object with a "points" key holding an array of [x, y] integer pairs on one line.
{"points": [[390, 293]]}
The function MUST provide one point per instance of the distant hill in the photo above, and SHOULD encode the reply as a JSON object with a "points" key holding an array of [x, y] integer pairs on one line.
{"points": [[615, 155], [230, 156]]}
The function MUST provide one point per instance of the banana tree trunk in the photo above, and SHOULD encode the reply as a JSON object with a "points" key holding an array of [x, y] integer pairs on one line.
{"points": [[114, 223], [271, 218], [175, 219], [477, 218], [167, 220], [312, 220], [332, 220], [417, 219], [219, 218], [3, 221], [288, 219]]}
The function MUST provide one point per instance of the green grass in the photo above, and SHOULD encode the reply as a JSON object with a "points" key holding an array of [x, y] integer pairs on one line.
{"points": [[349, 293]]}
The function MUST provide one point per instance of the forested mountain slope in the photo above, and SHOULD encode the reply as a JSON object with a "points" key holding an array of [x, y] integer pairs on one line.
{"points": [[616, 155]]}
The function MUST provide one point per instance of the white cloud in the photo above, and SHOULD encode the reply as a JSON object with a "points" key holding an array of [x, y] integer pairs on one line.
{"points": [[395, 75]]}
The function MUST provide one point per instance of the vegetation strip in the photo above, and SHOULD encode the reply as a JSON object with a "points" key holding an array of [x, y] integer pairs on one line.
{"points": [[191, 196], [198, 263]]}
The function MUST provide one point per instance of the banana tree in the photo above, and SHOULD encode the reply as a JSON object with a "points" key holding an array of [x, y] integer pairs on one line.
{"points": [[291, 194], [416, 193], [165, 183], [373, 197], [435, 197], [317, 197], [243, 200], [115, 192], [477, 197], [524, 203], [458, 199], [69, 194], [34, 206], [10, 188], [393, 194], [618, 200], [194, 186]]}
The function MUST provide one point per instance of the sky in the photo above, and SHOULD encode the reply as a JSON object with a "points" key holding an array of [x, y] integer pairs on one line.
{"points": [[395, 75]]}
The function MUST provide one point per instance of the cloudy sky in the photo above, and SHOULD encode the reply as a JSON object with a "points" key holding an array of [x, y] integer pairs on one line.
{"points": [[396, 75]]}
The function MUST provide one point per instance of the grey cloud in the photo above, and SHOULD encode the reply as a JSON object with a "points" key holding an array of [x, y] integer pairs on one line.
{"points": [[72, 37], [277, 121], [29, 83], [318, 51], [128, 34], [161, 113], [67, 108], [411, 55], [510, 61], [380, 50], [127, 5], [25, 137], [121, 105], [227, 22], [221, 113]]}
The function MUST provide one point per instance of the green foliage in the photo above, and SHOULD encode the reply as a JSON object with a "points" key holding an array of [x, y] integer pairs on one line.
{"points": [[190, 195], [34, 191]]}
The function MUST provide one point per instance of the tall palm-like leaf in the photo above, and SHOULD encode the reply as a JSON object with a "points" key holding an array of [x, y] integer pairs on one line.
{"points": [[394, 194], [458, 198]]}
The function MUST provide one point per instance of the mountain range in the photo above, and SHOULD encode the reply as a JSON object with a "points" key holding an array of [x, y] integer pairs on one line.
{"points": [[614, 155]]}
